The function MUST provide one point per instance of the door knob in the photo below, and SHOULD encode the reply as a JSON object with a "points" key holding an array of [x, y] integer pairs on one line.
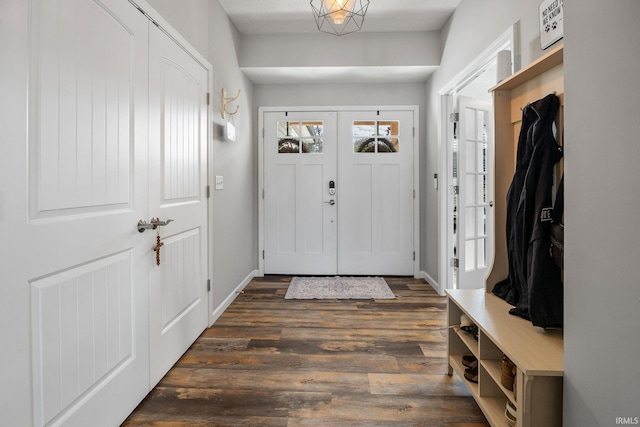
{"points": [[151, 225], [331, 202]]}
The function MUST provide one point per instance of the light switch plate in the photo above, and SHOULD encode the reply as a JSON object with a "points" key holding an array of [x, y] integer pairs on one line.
{"points": [[219, 182]]}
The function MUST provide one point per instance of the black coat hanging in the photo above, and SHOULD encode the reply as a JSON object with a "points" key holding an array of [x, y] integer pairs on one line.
{"points": [[534, 284]]}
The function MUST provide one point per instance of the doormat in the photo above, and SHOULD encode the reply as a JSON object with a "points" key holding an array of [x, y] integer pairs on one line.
{"points": [[338, 288]]}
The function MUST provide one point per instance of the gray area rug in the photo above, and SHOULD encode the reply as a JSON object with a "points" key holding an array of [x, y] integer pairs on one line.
{"points": [[338, 288]]}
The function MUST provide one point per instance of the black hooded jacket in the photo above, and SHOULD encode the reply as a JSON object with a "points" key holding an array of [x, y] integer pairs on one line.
{"points": [[534, 285]]}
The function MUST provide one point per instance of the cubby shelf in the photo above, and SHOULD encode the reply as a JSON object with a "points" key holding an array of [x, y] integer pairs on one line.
{"points": [[537, 353]]}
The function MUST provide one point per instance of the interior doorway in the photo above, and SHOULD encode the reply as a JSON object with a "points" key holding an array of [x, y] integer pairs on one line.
{"points": [[466, 166]]}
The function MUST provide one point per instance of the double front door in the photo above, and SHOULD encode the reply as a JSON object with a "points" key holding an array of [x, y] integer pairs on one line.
{"points": [[339, 192]]}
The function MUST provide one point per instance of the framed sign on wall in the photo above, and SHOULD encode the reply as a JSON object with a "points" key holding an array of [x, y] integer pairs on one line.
{"points": [[551, 22]]}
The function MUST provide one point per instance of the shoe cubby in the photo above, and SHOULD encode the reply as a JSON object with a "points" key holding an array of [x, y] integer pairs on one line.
{"points": [[537, 355]]}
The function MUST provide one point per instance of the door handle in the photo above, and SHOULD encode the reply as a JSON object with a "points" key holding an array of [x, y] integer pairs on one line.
{"points": [[331, 202], [151, 225]]}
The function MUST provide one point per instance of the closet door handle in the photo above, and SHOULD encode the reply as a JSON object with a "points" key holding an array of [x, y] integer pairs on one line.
{"points": [[152, 225]]}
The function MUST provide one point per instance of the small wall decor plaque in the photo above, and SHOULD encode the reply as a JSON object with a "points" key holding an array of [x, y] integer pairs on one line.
{"points": [[551, 22]]}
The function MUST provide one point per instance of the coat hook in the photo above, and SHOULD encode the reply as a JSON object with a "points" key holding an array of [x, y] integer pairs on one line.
{"points": [[226, 101]]}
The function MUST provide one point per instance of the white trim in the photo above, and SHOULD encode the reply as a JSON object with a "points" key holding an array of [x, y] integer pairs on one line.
{"points": [[416, 169], [431, 281], [445, 106], [215, 314]]}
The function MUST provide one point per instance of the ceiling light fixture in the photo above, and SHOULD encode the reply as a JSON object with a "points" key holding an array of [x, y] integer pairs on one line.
{"points": [[339, 17]]}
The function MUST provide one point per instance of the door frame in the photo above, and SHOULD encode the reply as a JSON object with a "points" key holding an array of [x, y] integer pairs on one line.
{"points": [[509, 40], [416, 169]]}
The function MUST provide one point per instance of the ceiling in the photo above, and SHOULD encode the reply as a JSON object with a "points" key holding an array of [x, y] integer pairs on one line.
{"points": [[294, 16], [270, 17]]}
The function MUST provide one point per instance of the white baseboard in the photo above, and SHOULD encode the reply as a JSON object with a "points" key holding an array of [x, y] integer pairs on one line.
{"points": [[424, 275], [217, 312]]}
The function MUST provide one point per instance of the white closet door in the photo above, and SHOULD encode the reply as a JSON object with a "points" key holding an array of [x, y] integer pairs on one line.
{"points": [[375, 213], [177, 191], [76, 281]]}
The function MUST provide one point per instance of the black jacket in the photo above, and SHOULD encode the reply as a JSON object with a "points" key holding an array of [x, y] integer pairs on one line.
{"points": [[534, 284]]}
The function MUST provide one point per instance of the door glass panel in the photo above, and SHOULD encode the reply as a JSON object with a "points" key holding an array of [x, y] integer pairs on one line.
{"points": [[470, 222], [471, 154], [288, 146], [481, 229], [388, 128], [312, 128], [310, 145], [482, 250], [482, 157], [364, 145], [387, 145], [375, 136], [470, 190], [481, 195], [470, 255], [286, 129], [300, 137], [364, 129]]}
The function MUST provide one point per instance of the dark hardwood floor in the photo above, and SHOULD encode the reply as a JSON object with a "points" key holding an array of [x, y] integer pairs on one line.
{"points": [[271, 362]]}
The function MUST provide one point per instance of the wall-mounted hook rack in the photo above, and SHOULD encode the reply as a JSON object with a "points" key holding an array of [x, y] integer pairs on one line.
{"points": [[226, 101]]}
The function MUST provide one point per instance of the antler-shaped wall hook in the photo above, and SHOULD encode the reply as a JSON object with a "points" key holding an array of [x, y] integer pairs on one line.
{"points": [[226, 100]]}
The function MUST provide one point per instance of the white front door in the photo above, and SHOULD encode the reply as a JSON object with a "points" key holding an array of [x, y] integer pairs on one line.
{"points": [[300, 213], [376, 193], [177, 191], [338, 192], [74, 286], [474, 233]]}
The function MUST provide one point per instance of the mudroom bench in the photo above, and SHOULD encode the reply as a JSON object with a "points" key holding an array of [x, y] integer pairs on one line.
{"points": [[537, 353]]}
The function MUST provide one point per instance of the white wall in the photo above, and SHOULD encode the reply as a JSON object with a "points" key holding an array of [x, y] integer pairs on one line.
{"points": [[322, 50], [602, 150], [204, 24]]}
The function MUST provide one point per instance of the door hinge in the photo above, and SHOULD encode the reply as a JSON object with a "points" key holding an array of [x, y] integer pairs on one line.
{"points": [[208, 191], [263, 193], [208, 98], [414, 193], [414, 255], [414, 132], [262, 134], [454, 117], [454, 262], [208, 285], [455, 190], [262, 254]]}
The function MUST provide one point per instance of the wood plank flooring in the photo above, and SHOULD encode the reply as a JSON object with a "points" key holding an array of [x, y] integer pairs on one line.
{"points": [[268, 361]]}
